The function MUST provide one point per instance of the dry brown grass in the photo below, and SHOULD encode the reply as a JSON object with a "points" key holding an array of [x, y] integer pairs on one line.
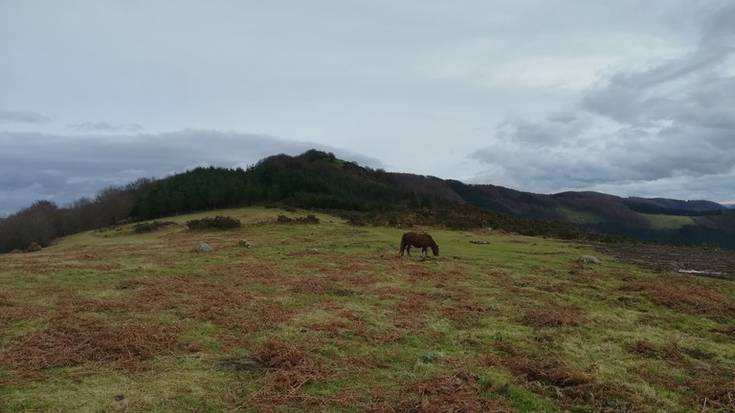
{"points": [[551, 374], [687, 295], [464, 313], [12, 311], [645, 348], [459, 392], [353, 324], [288, 369], [714, 384], [553, 316], [70, 341]]}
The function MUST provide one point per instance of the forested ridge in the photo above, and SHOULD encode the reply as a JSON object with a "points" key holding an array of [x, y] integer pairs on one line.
{"points": [[319, 180]]}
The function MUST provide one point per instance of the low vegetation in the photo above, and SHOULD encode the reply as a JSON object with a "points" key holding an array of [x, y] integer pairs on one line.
{"points": [[318, 181], [218, 222], [327, 318], [144, 227]]}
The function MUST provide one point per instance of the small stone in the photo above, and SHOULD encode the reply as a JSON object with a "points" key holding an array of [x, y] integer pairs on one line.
{"points": [[244, 244], [588, 259], [204, 247]]}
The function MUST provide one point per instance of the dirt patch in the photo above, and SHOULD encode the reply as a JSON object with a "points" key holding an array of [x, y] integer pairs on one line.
{"points": [[554, 316], [71, 341], [672, 258], [685, 294], [459, 392]]}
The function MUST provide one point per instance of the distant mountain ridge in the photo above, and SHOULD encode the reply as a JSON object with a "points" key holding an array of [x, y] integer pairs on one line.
{"points": [[654, 219], [319, 180]]}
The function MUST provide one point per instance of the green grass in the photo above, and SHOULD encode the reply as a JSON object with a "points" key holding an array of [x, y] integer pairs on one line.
{"points": [[361, 328], [581, 217], [659, 221]]}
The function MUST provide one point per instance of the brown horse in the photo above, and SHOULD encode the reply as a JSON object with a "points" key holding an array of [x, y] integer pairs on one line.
{"points": [[418, 240]]}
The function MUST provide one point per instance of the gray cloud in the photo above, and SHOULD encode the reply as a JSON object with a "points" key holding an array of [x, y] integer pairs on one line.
{"points": [[653, 131], [10, 116], [105, 127], [624, 95], [63, 168]]}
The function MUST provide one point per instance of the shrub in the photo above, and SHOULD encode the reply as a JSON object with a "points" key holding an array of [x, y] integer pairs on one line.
{"points": [[309, 219], [144, 227], [33, 247], [218, 222]]}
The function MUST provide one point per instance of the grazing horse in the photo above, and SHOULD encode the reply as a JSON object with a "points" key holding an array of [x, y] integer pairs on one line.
{"points": [[418, 240]]}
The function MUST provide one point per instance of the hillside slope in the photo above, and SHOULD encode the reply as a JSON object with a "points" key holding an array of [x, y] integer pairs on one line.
{"points": [[326, 317], [320, 181]]}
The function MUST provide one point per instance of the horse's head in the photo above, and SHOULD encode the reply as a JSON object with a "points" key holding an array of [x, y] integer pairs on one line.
{"points": [[434, 248]]}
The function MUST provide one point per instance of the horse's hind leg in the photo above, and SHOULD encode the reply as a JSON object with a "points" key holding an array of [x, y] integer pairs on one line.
{"points": [[423, 252]]}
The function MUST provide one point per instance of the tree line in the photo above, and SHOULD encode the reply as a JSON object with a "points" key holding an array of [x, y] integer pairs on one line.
{"points": [[313, 180]]}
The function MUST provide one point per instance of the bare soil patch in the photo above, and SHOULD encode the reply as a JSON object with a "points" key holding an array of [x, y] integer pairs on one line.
{"points": [[666, 258]]}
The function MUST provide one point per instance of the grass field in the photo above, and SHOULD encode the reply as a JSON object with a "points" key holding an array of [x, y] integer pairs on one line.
{"points": [[325, 317], [659, 221]]}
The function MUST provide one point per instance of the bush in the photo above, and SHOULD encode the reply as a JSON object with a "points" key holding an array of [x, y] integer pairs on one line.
{"points": [[218, 222], [33, 247], [309, 219], [144, 227]]}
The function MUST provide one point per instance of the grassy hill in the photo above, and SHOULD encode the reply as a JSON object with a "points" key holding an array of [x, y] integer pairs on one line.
{"points": [[320, 181], [325, 317]]}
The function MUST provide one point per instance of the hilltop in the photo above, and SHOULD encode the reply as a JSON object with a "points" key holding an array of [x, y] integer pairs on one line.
{"points": [[305, 317], [320, 181]]}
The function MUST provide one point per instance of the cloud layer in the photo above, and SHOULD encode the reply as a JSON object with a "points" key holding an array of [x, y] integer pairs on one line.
{"points": [[23, 117], [63, 168], [668, 129], [628, 97]]}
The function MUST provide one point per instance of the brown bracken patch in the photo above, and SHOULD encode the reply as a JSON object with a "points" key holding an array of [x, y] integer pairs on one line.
{"points": [[648, 349], [12, 311], [553, 316], [288, 369], [712, 388], [459, 392], [71, 341], [687, 295], [552, 375], [464, 314]]}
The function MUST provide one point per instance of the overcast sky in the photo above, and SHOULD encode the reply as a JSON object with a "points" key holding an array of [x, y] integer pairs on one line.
{"points": [[625, 97]]}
